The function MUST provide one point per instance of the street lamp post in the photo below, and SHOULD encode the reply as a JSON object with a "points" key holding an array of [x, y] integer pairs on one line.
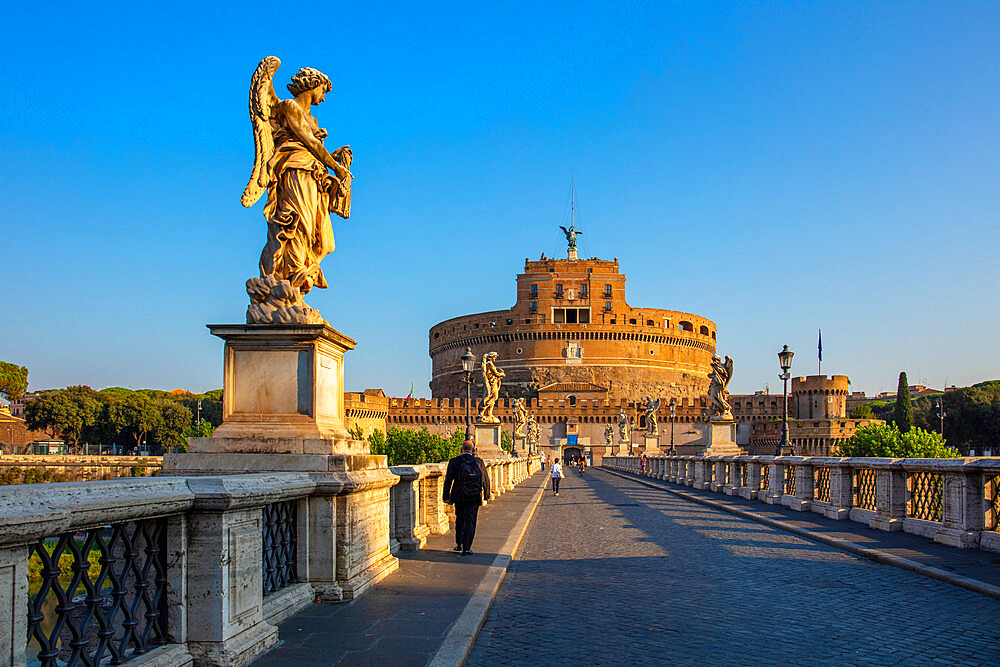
{"points": [[939, 404], [468, 365], [673, 418], [785, 361]]}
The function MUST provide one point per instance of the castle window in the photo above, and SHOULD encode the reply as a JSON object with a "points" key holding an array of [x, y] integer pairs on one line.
{"points": [[518, 351], [614, 321], [607, 291], [632, 321], [583, 291], [572, 400], [713, 335], [685, 326], [559, 291], [510, 321], [649, 323], [703, 331], [533, 308], [437, 335], [607, 306], [534, 291]]}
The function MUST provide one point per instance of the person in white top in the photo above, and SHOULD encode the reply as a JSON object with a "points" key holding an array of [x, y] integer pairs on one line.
{"points": [[557, 475]]}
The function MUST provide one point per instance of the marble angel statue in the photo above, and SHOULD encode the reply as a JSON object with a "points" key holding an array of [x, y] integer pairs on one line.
{"points": [[718, 391], [304, 184], [649, 410], [624, 435], [491, 389], [520, 418]]}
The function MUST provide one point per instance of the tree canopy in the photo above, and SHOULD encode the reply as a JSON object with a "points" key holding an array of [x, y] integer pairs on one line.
{"points": [[13, 380], [123, 417], [886, 440], [405, 446], [902, 415]]}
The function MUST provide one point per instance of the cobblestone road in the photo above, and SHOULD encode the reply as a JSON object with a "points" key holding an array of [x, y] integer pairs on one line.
{"points": [[612, 572]]}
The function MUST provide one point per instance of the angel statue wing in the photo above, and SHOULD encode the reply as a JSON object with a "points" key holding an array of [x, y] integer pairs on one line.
{"points": [[565, 231], [729, 368], [262, 100]]}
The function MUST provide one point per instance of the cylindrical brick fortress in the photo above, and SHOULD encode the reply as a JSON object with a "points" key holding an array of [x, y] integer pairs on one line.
{"points": [[571, 325]]}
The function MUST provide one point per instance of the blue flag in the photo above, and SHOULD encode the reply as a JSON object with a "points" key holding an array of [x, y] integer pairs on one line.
{"points": [[821, 345]]}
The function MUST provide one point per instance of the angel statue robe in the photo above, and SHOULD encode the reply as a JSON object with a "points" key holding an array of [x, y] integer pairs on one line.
{"points": [[300, 195]]}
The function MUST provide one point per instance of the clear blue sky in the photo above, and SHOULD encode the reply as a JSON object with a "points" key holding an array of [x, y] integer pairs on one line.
{"points": [[774, 167]]}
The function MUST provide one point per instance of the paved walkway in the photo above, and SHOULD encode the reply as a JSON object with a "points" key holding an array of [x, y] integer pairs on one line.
{"points": [[406, 618], [614, 572]]}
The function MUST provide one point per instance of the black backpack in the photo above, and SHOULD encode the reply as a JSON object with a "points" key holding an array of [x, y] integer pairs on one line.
{"points": [[469, 485]]}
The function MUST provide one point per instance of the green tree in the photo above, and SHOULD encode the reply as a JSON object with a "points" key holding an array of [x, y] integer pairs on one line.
{"points": [[410, 447], [902, 415], [886, 440], [13, 380], [66, 412], [174, 418], [506, 441], [135, 416], [863, 411]]}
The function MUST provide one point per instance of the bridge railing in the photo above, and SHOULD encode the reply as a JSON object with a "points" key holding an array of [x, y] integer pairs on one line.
{"points": [[175, 569], [952, 501]]}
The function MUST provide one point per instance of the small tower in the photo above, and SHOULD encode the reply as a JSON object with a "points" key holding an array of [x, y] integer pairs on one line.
{"points": [[820, 397]]}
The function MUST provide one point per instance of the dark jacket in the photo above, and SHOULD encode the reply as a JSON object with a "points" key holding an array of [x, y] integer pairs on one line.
{"points": [[451, 476]]}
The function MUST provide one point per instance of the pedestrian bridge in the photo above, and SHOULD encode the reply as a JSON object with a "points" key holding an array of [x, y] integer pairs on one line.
{"points": [[630, 563]]}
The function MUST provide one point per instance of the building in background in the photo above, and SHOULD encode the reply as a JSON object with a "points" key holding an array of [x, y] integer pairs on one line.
{"points": [[571, 327]]}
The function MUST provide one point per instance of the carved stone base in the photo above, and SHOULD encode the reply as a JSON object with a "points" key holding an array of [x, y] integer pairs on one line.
{"points": [[283, 390], [274, 301], [487, 439]]}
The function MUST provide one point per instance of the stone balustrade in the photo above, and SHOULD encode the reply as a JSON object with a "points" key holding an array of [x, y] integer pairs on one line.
{"points": [[175, 571], [952, 501]]}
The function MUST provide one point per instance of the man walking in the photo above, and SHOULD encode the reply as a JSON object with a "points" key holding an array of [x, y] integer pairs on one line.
{"points": [[466, 484]]}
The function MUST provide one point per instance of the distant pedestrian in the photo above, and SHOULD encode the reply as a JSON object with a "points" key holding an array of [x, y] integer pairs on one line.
{"points": [[642, 464], [583, 464], [557, 475], [466, 485]]}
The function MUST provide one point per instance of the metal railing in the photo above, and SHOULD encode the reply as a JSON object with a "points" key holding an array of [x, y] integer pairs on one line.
{"points": [[99, 596], [279, 538]]}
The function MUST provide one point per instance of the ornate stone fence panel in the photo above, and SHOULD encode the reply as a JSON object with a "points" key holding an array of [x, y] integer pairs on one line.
{"points": [[952, 501]]}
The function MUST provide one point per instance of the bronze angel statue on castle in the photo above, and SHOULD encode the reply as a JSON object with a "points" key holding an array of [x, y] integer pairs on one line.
{"points": [[304, 184]]}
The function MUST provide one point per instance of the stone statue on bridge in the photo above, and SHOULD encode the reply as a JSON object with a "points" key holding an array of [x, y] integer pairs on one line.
{"points": [[533, 433], [491, 389], [649, 411], [624, 433], [609, 435], [304, 184], [520, 418], [718, 389]]}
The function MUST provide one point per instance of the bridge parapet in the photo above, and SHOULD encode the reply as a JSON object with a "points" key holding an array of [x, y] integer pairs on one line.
{"points": [[182, 570], [952, 501]]}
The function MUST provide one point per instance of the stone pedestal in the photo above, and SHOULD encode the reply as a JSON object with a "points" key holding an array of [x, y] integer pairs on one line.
{"points": [[718, 438], [651, 444], [283, 390], [283, 411], [520, 447], [487, 439]]}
